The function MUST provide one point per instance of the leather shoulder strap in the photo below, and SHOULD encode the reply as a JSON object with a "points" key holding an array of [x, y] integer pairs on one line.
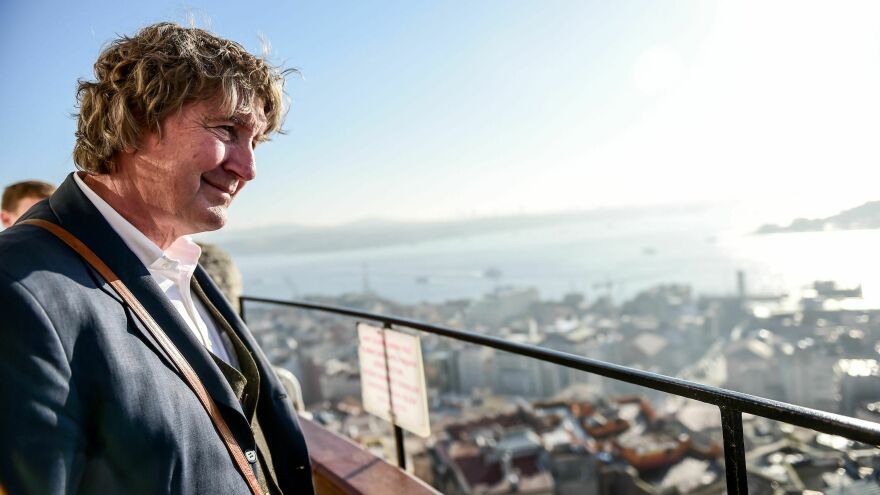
{"points": [[180, 362]]}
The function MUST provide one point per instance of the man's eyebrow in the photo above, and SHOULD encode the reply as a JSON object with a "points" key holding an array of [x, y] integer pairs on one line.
{"points": [[242, 121], [252, 122], [239, 120]]}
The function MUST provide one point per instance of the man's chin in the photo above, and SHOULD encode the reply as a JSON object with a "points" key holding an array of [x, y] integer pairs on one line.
{"points": [[214, 218]]}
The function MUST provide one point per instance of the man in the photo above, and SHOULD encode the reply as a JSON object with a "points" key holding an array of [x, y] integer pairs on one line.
{"points": [[19, 197], [95, 398]]}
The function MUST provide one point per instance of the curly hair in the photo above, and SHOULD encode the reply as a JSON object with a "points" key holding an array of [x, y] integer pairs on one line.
{"points": [[140, 80]]}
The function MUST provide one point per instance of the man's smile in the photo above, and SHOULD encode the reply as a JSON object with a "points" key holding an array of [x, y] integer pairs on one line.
{"points": [[229, 189]]}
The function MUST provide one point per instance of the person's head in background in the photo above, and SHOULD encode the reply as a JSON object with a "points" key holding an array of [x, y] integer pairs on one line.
{"points": [[19, 197]]}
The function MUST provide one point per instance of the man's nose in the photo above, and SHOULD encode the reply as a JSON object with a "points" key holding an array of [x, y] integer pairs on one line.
{"points": [[243, 163]]}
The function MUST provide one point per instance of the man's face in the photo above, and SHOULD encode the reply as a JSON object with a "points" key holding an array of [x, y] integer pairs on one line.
{"points": [[186, 179], [8, 217]]}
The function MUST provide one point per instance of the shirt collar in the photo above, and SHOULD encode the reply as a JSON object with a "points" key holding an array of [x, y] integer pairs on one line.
{"points": [[182, 255]]}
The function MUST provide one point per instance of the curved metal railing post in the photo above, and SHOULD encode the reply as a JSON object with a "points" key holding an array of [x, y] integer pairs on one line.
{"points": [[734, 451]]}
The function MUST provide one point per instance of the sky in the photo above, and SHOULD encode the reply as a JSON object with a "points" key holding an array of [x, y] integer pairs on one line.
{"points": [[448, 110]]}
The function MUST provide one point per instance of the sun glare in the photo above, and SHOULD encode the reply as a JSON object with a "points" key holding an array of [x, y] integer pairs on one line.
{"points": [[657, 69]]}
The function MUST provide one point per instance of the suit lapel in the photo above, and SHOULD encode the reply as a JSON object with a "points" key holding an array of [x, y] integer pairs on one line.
{"points": [[238, 326], [157, 304], [75, 212]]}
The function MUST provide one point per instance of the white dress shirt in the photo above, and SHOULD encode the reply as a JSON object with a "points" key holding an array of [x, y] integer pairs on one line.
{"points": [[172, 270]]}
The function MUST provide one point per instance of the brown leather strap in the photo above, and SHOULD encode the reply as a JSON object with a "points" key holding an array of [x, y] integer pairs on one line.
{"points": [[180, 362]]}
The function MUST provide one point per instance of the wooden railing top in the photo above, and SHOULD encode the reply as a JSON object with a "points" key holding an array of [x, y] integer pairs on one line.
{"points": [[340, 466]]}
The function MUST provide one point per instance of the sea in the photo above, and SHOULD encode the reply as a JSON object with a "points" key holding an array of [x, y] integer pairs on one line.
{"points": [[616, 257]]}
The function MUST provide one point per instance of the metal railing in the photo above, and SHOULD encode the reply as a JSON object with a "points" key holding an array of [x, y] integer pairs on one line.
{"points": [[731, 404]]}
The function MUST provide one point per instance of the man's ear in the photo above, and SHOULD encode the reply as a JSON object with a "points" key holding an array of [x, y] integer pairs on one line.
{"points": [[6, 219]]}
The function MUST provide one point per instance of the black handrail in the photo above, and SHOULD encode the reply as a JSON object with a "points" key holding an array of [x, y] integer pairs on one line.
{"points": [[731, 403]]}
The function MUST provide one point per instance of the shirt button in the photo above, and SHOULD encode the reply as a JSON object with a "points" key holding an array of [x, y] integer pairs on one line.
{"points": [[251, 456]]}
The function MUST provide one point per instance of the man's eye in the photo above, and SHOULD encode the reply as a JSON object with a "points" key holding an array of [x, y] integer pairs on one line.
{"points": [[228, 131]]}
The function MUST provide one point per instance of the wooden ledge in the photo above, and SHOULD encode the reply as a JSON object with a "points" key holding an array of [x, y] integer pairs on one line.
{"points": [[340, 466]]}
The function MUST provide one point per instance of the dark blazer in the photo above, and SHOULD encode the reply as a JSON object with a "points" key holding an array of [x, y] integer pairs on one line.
{"points": [[89, 403]]}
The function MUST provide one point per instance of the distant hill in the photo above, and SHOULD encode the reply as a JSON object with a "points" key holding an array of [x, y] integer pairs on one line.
{"points": [[375, 233], [866, 216]]}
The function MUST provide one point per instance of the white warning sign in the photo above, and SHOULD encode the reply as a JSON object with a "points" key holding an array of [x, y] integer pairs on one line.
{"points": [[384, 353]]}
